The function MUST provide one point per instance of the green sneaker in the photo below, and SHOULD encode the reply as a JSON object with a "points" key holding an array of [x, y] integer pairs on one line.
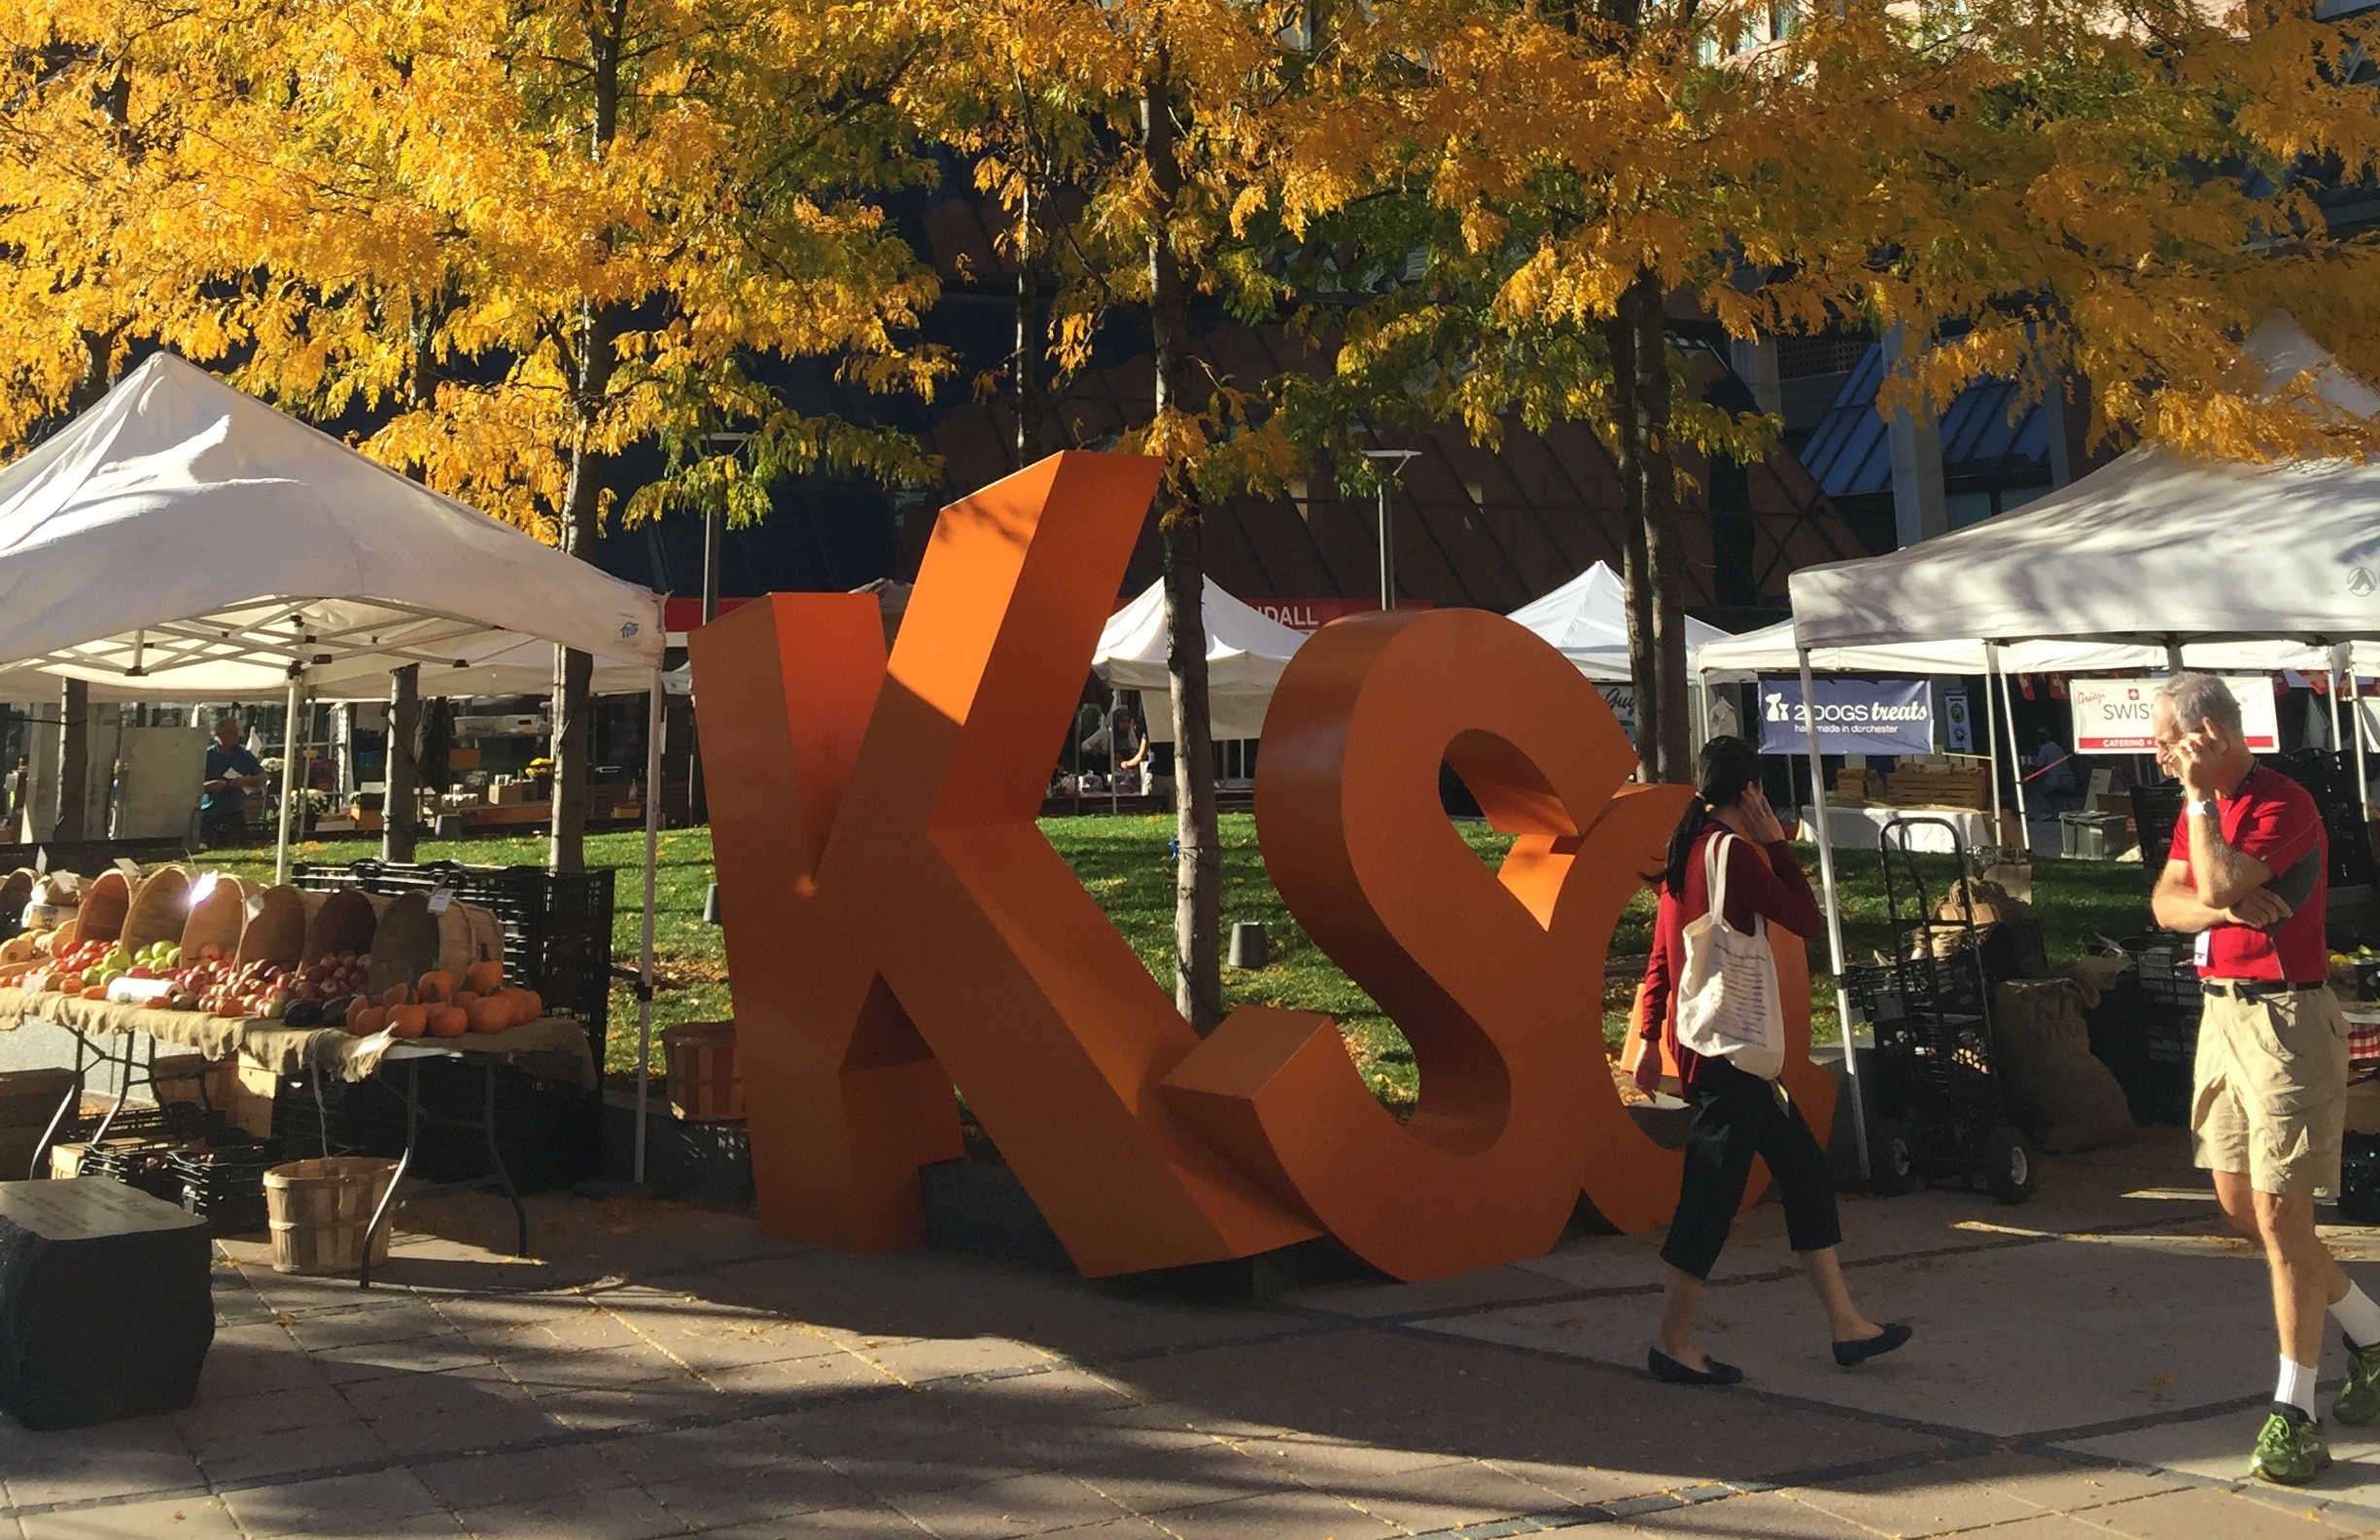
{"points": [[2359, 1401], [2289, 1451]]}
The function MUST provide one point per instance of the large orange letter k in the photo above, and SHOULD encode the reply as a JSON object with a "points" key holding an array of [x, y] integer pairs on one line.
{"points": [[899, 921]]}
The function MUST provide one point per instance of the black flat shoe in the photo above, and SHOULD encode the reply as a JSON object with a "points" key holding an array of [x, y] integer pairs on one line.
{"points": [[1851, 1354], [1668, 1371]]}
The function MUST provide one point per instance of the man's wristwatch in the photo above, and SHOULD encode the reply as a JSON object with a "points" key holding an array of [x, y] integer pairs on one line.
{"points": [[2197, 807]]}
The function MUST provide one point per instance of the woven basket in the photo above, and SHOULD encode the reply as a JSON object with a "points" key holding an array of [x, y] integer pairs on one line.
{"points": [[159, 910]]}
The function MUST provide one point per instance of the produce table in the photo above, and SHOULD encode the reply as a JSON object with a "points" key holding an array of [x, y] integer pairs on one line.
{"points": [[1859, 827], [554, 1049]]}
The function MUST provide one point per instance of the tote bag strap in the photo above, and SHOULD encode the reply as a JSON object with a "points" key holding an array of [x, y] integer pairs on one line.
{"points": [[1714, 884]]}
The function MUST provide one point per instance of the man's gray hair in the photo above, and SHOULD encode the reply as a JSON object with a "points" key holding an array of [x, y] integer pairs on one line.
{"points": [[2200, 698]]}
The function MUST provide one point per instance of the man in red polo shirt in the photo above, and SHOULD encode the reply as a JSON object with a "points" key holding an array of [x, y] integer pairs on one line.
{"points": [[2248, 876]]}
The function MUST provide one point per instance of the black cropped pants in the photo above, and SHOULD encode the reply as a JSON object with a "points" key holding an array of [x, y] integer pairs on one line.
{"points": [[1737, 1116]]}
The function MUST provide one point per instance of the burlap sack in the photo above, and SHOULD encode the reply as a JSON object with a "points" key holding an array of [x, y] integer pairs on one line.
{"points": [[2065, 1098]]}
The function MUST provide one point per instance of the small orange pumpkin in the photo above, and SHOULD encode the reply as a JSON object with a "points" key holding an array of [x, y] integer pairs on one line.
{"points": [[488, 1014], [447, 1021], [436, 987], [396, 995], [484, 978], [364, 1020], [409, 1021]]}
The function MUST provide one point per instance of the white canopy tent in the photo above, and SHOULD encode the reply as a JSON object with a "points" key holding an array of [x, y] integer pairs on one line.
{"points": [[2150, 550], [183, 540], [1587, 620], [1247, 651]]}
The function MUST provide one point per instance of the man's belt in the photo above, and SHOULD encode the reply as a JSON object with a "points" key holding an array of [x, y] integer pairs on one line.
{"points": [[2256, 989]]}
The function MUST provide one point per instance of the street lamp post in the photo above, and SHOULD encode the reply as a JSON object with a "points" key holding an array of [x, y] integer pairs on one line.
{"points": [[1388, 464]]}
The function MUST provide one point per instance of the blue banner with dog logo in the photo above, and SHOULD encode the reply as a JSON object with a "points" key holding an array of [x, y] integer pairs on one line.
{"points": [[1855, 715]]}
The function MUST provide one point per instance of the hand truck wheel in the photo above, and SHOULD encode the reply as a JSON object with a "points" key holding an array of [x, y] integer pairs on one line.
{"points": [[2007, 1162], [1892, 1170]]}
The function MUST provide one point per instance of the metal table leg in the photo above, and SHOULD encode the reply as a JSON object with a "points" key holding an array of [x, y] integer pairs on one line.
{"points": [[504, 1177], [385, 1212]]}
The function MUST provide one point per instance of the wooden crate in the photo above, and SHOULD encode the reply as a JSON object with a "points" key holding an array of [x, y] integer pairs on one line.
{"points": [[28, 1100], [1957, 787], [704, 1084], [246, 1096]]}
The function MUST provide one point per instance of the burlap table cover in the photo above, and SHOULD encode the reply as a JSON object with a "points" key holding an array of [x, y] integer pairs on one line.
{"points": [[554, 1049]]}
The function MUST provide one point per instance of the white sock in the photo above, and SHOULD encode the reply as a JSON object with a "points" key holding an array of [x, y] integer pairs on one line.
{"points": [[2296, 1387], [2358, 1317]]}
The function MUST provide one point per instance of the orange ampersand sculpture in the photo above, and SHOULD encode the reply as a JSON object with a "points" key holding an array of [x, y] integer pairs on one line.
{"points": [[896, 921]]}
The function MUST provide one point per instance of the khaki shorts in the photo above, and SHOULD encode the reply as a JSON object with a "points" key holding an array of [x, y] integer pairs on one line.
{"points": [[2270, 1091]]}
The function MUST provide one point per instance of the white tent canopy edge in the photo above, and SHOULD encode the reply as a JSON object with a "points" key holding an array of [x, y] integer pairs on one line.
{"points": [[181, 531]]}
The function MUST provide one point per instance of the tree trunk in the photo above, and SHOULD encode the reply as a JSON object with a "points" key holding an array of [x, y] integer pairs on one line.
{"points": [[1652, 558], [74, 760], [1197, 875], [399, 770], [582, 497], [1028, 337]]}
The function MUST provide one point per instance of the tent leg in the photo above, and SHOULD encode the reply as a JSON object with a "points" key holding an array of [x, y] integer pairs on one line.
{"points": [[2355, 717], [1834, 916], [288, 772], [645, 964], [2338, 731], [1991, 725], [2024, 820]]}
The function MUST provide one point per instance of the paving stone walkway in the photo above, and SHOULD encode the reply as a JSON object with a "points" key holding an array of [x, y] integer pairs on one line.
{"points": [[2088, 1365]]}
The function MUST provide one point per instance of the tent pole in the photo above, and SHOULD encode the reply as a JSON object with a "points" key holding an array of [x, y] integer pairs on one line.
{"points": [[2355, 716], [1834, 915], [2024, 819], [289, 773], [645, 961], [1991, 726], [2338, 733]]}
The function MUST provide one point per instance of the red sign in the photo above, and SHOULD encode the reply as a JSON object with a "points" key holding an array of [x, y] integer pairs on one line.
{"points": [[685, 615], [1313, 614]]}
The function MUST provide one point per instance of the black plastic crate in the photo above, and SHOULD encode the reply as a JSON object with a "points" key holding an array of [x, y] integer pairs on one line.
{"points": [[146, 1164], [550, 1136], [2156, 809], [224, 1185], [2359, 1198], [557, 925]]}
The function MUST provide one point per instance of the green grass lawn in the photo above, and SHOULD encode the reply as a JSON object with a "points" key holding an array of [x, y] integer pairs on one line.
{"points": [[1124, 864]]}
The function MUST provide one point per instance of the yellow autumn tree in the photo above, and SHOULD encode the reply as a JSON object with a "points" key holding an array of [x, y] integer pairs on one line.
{"points": [[1130, 144], [556, 232], [527, 239], [2039, 190], [98, 104]]}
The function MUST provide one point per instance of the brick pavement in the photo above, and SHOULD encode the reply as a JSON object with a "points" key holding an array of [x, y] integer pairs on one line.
{"points": [[2087, 1366]]}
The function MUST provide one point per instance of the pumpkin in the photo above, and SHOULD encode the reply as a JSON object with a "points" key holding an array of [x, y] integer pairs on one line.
{"points": [[394, 995], [447, 1021], [464, 997], [484, 978], [409, 1021], [436, 987], [532, 1005], [488, 1014], [364, 1020]]}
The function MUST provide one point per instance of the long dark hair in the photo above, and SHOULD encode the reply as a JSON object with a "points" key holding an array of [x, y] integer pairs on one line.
{"points": [[1727, 767]]}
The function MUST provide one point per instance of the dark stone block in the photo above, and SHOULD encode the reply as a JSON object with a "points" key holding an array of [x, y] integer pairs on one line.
{"points": [[983, 1210], [710, 1161], [105, 1303]]}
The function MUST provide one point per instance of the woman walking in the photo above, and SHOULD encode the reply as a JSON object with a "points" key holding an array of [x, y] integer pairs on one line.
{"points": [[1729, 840]]}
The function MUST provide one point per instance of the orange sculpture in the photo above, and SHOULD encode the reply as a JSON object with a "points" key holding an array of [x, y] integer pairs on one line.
{"points": [[896, 922], [1496, 977]]}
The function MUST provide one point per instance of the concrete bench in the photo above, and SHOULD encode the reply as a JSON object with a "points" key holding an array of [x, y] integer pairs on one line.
{"points": [[105, 1305]]}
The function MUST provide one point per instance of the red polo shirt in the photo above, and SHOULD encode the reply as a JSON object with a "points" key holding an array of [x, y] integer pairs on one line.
{"points": [[2274, 819]]}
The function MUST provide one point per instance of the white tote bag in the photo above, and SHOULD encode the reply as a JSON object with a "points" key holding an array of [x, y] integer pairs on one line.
{"points": [[1727, 1004]]}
